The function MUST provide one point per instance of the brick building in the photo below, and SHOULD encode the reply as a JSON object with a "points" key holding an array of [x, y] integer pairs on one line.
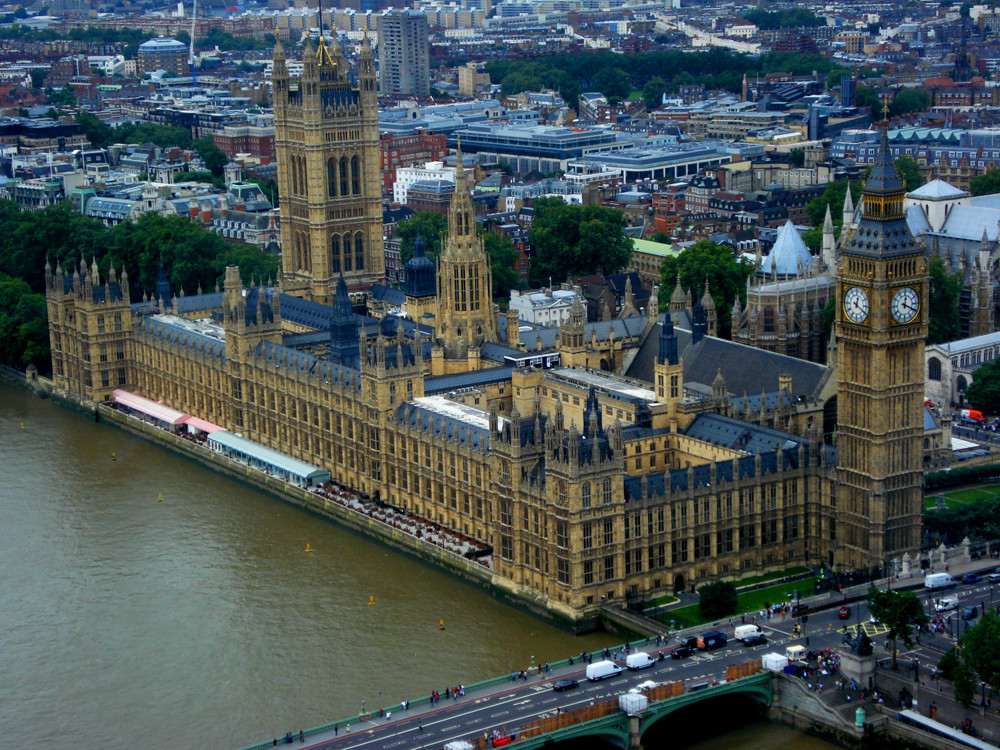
{"points": [[403, 150]]}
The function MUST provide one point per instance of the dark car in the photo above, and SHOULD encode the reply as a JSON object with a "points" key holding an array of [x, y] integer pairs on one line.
{"points": [[970, 613], [993, 577], [844, 613], [680, 652], [711, 640], [755, 640], [971, 578], [565, 684]]}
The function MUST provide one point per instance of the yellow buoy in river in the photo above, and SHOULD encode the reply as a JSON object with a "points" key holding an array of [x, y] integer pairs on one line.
{"points": [[308, 548], [441, 625], [159, 497], [371, 601]]}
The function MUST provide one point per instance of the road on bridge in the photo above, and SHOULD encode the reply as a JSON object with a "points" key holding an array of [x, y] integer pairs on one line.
{"points": [[507, 706]]}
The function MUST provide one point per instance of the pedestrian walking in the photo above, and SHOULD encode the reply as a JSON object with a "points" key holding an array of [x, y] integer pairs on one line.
{"points": [[420, 726]]}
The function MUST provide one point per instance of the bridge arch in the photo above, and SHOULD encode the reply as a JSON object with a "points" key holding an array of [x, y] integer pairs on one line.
{"points": [[693, 712]]}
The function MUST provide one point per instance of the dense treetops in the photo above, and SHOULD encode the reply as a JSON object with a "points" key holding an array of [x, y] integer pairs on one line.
{"points": [[192, 255], [714, 69], [574, 240]]}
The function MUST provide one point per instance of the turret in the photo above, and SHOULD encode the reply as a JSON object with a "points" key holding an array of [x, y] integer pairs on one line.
{"points": [[848, 217], [279, 75], [829, 247], [366, 75], [668, 342]]}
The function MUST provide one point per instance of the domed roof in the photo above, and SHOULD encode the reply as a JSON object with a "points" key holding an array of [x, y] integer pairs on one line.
{"points": [[789, 256]]}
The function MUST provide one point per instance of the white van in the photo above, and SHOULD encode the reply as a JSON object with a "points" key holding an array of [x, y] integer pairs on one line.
{"points": [[639, 660], [939, 581], [946, 604], [745, 631], [601, 669]]}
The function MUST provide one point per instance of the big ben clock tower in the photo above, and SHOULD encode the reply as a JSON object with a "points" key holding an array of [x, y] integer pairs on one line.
{"points": [[881, 328]]}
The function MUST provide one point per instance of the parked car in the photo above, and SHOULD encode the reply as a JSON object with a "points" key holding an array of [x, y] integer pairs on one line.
{"points": [[680, 652], [844, 613], [970, 613], [755, 640], [971, 578], [993, 578], [565, 684]]}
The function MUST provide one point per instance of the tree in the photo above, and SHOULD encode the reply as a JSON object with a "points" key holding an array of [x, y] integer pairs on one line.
{"points": [[429, 225], [503, 255], [717, 599], [214, 157], [711, 263], [944, 291], [38, 76], [64, 97], [97, 131], [662, 237], [906, 102], [900, 611], [977, 520], [797, 157], [613, 82], [268, 186], [833, 195], [984, 393], [571, 239], [909, 172], [867, 96], [987, 183], [24, 331], [652, 92], [981, 649]]}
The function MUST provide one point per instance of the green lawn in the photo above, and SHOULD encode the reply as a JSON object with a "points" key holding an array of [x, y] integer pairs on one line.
{"points": [[971, 495], [690, 616], [770, 576]]}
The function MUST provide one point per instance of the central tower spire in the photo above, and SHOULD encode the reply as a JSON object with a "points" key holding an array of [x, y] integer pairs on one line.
{"points": [[465, 316]]}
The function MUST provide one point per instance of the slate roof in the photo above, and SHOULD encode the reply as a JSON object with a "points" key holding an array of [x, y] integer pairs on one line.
{"points": [[917, 221], [442, 424], [930, 423], [184, 337], [936, 190], [735, 434], [624, 328], [445, 383], [745, 368], [968, 223], [789, 256], [388, 294]]}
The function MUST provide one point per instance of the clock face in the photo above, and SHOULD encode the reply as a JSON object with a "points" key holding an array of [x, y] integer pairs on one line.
{"points": [[856, 304], [905, 305]]}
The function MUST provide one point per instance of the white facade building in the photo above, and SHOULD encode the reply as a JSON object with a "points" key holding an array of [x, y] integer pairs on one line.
{"points": [[546, 307], [406, 176]]}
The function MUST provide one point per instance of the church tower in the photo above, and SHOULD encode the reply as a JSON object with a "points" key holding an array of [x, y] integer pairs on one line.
{"points": [[881, 327], [327, 146], [465, 319]]}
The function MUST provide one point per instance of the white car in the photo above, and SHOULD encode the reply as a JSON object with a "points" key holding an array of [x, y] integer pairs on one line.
{"points": [[946, 604], [647, 685]]}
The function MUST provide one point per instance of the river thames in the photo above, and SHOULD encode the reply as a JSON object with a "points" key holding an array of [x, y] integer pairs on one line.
{"points": [[200, 620]]}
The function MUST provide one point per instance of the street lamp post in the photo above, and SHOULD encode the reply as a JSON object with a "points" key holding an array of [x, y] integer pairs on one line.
{"points": [[363, 707]]}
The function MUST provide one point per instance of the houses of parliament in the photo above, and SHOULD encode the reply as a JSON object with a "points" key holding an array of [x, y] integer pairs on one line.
{"points": [[613, 461]]}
